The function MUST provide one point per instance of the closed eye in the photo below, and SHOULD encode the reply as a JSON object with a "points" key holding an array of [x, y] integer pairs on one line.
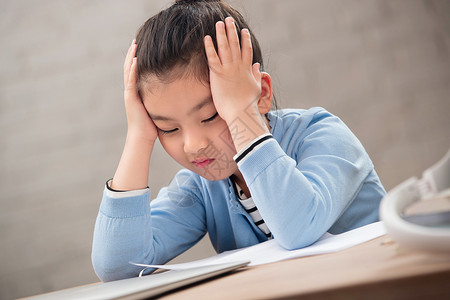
{"points": [[167, 131], [161, 131], [211, 119]]}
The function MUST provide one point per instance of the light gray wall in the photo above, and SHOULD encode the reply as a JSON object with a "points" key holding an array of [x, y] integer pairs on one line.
{"points": [[383, 66]]}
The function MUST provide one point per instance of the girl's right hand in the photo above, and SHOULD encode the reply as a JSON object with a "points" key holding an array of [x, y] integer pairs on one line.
{"points": [[132, 171], [140, 125]]}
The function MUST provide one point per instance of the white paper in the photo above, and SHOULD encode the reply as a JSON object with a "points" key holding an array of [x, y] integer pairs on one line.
{"points": [[271, 251]]}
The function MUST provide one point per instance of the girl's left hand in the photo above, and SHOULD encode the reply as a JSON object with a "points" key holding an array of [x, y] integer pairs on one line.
{"points": [[235, 83]]}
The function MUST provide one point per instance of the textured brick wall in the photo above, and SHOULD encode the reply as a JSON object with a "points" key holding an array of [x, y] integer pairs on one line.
{"points": [[383, 66]]}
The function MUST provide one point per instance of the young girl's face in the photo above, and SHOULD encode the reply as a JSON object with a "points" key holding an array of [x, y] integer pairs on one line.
{"points": [[190, 130]]}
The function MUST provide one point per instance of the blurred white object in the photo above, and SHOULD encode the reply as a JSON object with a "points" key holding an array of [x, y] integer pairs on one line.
{"points": [[428, 231]]}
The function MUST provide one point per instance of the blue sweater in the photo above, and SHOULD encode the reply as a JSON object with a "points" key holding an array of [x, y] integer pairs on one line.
{"points": [[313, 177]]}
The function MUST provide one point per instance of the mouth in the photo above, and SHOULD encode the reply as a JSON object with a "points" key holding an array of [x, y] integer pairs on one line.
{"points": [[202, 163]]}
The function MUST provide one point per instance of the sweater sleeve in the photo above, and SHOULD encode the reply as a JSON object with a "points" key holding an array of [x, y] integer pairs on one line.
{"points": [[134, 229], [302, 196]]}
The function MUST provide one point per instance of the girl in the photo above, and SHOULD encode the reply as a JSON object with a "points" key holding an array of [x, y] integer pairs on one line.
{"points": [[193, 78]]}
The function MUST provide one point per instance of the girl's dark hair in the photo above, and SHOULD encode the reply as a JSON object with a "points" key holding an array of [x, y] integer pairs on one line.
{"points": [[170, 44]]}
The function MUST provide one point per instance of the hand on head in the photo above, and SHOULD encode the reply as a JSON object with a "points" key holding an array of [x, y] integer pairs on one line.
{"points": [[139, 123], [235, 82]]}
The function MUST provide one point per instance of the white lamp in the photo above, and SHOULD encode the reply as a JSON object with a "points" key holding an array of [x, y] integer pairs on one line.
{"points": [[429, 232]]}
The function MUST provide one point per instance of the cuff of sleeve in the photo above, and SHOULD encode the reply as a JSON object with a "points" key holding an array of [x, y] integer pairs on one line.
{"points": [[122, 194], [129, 206], [252, 146], [260, 158]]}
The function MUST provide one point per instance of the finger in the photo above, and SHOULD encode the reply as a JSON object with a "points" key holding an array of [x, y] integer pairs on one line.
{"points": [[128, 62], [222, 43], [211, 54], [257, 72], [233, 39], [131, 87], [246, 48], [128, 57]]}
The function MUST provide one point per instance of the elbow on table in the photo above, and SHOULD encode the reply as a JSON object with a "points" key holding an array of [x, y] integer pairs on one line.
{"points": [[294, 244], [100, 269], [109, 271], [298, 239]]}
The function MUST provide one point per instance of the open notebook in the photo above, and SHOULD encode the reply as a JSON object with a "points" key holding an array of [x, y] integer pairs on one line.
{"points": [[143, 287]]}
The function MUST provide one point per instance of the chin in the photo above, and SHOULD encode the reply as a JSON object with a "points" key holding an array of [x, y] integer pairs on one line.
{"points": [[213, 176]]}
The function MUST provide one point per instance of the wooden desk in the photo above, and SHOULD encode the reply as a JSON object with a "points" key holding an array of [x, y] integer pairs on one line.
{"points": [[378, 269]]}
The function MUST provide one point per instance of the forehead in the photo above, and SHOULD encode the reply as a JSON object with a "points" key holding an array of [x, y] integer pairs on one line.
{"points": [[181, 94]]}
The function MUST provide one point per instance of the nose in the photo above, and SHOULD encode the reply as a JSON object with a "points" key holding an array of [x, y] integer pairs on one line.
{"points": [[195, 141]]}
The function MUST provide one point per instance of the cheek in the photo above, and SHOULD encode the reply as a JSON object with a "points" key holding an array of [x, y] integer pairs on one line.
{"points": [[172, 147], [221, 129]]}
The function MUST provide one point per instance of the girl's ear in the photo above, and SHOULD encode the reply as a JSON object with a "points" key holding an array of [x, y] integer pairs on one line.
{"points": [[265, 99]]}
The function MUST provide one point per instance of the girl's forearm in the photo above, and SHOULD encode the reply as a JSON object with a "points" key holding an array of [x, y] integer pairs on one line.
{"points": [[133, 168]]}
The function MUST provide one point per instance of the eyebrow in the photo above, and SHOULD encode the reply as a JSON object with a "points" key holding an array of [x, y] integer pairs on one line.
{"points": [[199, 106]]}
